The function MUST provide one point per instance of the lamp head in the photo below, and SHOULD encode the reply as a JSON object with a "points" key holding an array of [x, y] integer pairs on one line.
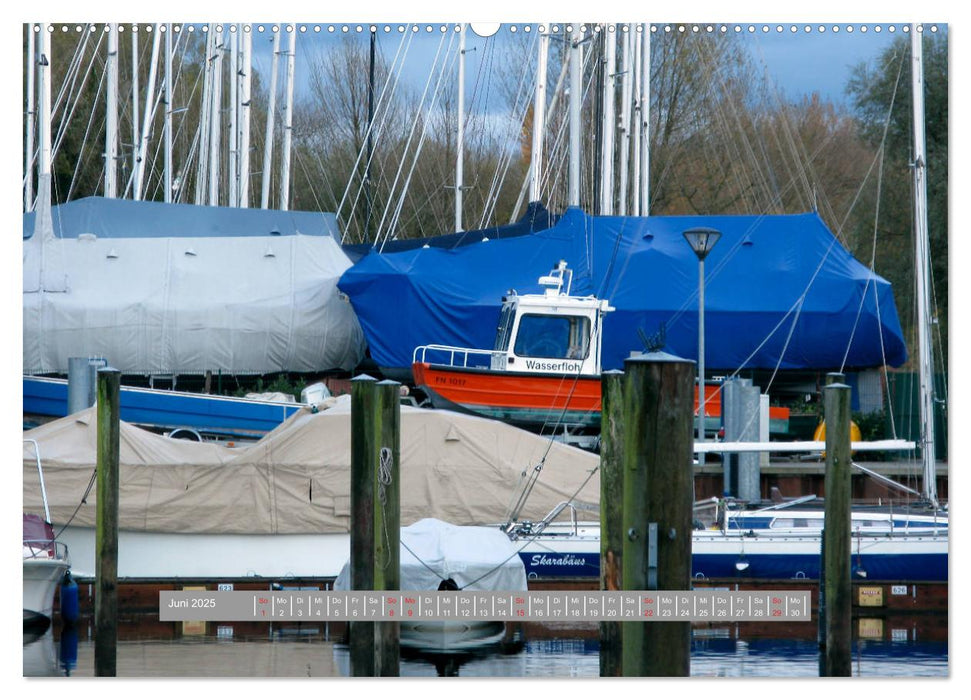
{"points": [[702, 240]]}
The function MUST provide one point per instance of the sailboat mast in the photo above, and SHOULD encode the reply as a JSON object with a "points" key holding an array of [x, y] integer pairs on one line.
{"points": [[460, 137], [135, 119], [215, 115], [245, 90], [539, 119], [607, 143], [922, 265], [625, 109], [635, 207], [270, 115], [44, 88], [576, 98], [149, 116], [233, 115], [167, 193], [31, 116], [645, 102], [288, 123], [111, 114]]}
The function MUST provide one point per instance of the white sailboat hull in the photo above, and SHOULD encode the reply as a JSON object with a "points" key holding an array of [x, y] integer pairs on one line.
{"points": [[162, 556], [877, 555], [41, 578]]}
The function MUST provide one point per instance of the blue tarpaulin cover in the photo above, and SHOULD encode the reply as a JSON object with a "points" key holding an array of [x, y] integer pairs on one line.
{"points": [[536, 218], [780, 292]]}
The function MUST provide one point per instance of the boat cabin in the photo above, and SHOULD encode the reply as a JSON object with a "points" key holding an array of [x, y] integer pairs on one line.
{"points": [[552, 332]]}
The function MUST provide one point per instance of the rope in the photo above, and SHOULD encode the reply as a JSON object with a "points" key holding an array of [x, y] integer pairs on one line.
{"points": [[411, 134], [526, 542], [384, 101], [84, 500], [519, 108], [393, 225], [384, 474]]}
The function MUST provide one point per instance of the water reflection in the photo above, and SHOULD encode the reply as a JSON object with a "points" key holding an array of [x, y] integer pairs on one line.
{"points": [[40, 658], [914, 646], [43, 656]]}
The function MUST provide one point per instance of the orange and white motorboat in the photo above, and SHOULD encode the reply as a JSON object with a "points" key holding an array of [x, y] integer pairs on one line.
{"points": [[543, 372]]}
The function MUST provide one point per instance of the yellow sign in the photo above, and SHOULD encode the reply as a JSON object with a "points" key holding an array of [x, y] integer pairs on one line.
{"points": [[194, 628], [871, 596], [871, 628]]}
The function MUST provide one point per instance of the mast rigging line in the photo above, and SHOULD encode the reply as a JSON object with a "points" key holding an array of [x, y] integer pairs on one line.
{"points": [[502, 164], [75, 67], [411, 133], [559, 150], [384, 103], [376, 128], [182, 128], [547, 119], [447, 62], [168, 107], [87, 131]]}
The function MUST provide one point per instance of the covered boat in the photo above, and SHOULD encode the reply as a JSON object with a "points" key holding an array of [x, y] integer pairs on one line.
{"points": [[543, 371], [46, 559], [281, 507], [439, 556], [781, 292], [184, 289]]}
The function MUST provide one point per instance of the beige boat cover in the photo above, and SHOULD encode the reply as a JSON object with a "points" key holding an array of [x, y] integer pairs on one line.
{"points": [[461, 469]]}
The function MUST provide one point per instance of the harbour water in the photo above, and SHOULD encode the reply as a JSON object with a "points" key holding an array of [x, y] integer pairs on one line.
{"points": [[902, 647]]}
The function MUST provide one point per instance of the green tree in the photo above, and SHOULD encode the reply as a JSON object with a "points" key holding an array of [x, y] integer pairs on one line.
{"points": [[884, 107]]}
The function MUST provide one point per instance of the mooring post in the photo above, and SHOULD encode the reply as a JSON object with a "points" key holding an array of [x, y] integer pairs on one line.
{"points": [[658, 406], [831, 378], [838, 592], [375, 518], [387, 522], [611, 511], [106, 531]]}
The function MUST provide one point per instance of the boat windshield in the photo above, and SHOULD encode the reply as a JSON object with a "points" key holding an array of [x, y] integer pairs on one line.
{"points": [[563, 337], [506, 318]]}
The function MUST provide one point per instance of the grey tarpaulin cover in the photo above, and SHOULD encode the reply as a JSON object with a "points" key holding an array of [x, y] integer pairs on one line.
{"points": [[475, 558], [161, 305]]}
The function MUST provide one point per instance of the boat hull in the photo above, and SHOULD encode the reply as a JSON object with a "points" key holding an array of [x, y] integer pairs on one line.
{"points": [[542, 401], [897, 558], [41, 579], [527, 400], [157, 556], [166, 410], [166, 556]]}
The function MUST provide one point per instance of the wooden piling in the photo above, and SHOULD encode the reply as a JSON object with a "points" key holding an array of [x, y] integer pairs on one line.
{"points": [[106, 532], [658, 405], [611, 512], [387, 522], [375, 518], [831, 378], [836, 535]]}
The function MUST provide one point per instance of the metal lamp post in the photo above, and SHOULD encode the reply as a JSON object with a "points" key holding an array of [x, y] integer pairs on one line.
{"points": [[701, 240]]}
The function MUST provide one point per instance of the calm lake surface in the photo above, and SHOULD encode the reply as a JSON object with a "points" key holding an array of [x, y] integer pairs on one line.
{"points": [[902, 647]]}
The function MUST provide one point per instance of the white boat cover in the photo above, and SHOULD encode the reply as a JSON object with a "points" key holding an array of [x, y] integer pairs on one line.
{"points": [[246, 305], [475, 558], [457, 468]]}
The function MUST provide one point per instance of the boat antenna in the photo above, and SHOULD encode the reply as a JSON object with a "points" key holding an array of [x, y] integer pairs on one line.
{"points": [[656, 342]]}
